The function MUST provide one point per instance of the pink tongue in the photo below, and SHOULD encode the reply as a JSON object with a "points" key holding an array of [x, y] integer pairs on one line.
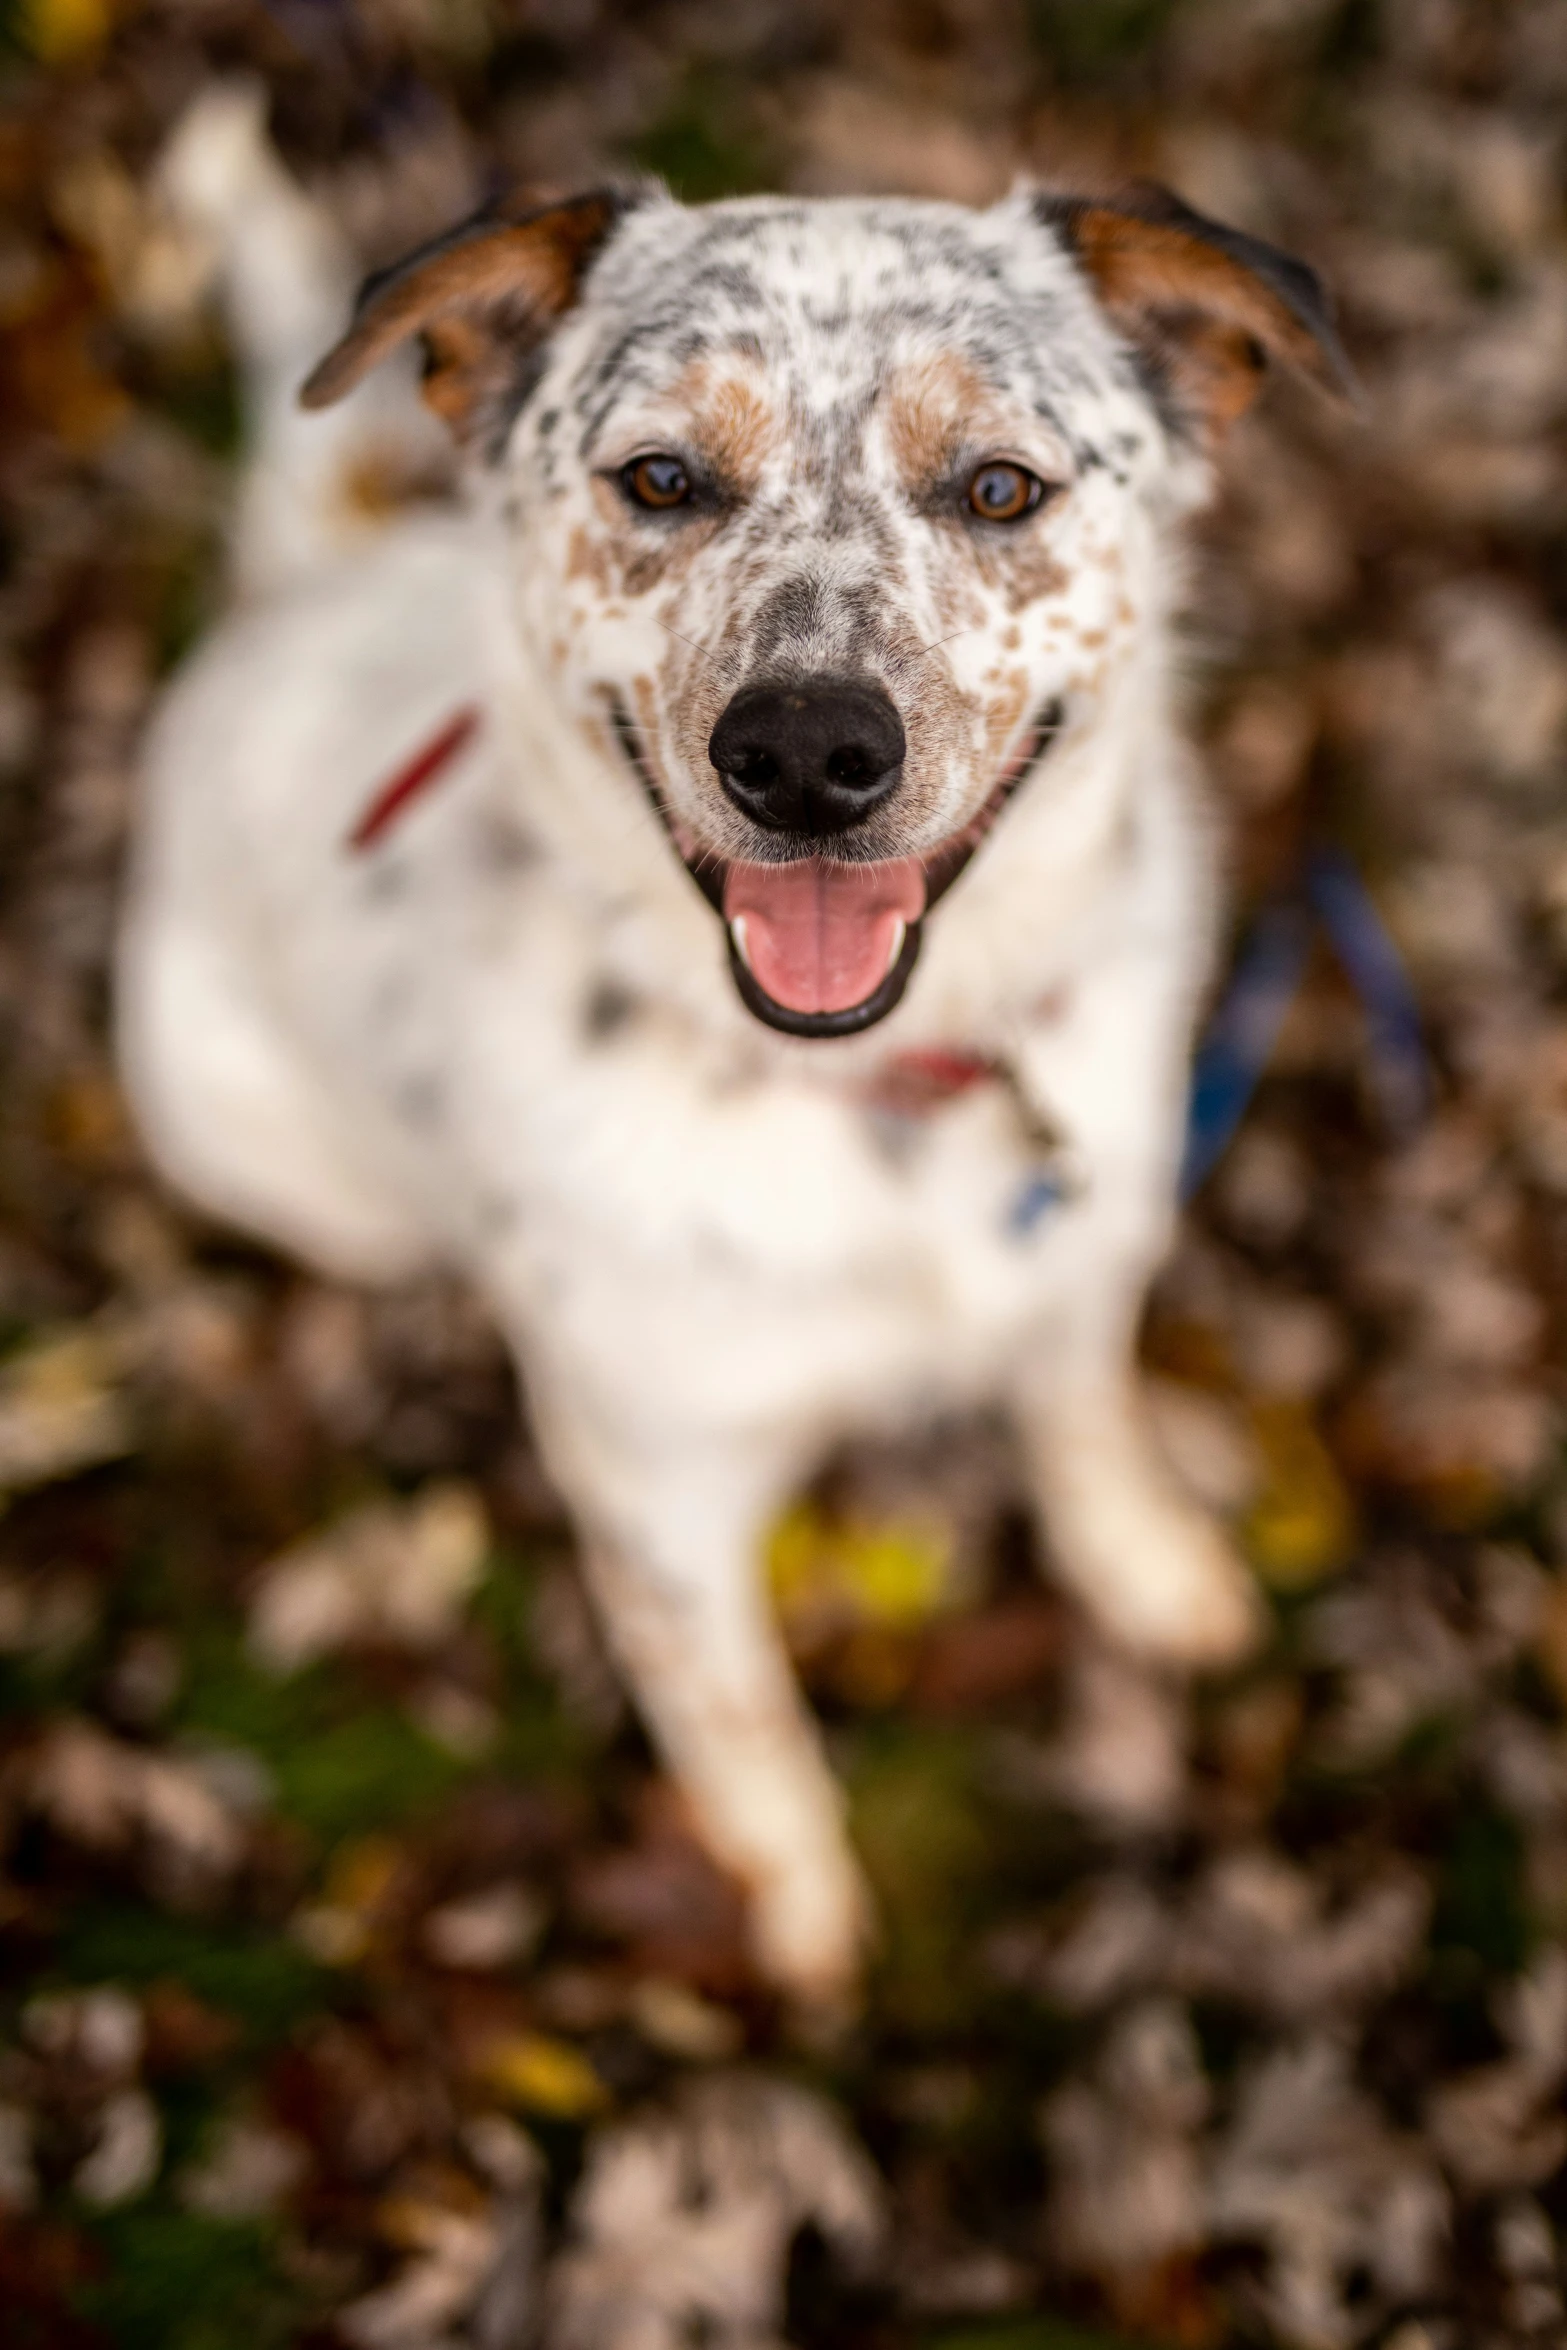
{"points": [[821, 938]]}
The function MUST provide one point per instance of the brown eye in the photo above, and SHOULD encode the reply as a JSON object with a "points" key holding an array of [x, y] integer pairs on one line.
{"points": [[657, 482], [1004, 493]]}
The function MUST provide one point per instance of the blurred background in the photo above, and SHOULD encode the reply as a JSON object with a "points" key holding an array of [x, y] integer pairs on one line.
{"points": [[359, 1981]]}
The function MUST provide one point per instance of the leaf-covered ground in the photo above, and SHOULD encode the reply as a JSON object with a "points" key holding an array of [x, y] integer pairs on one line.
{"points": [[359, 1982]]}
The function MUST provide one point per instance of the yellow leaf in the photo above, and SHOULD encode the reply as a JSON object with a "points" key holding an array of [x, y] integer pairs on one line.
{"points": [[59, 1408], [1301, 1527], [339, 1929], [361, 1872], [895, 1573], [546, 2076], [898, 1573], [59, 29]]}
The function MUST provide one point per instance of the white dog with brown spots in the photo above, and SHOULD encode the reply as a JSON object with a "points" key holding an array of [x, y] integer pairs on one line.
{"points": [[735, 886]]}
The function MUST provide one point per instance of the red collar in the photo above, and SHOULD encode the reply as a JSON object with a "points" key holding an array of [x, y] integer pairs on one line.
{"points": [[415, 776], [917, 1083]]}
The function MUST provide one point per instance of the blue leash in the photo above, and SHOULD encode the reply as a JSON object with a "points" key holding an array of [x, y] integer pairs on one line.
{"points": [[1239, 1041]]}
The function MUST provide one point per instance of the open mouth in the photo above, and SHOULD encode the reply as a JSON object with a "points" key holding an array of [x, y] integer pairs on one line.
{"points": [[818, 947]]}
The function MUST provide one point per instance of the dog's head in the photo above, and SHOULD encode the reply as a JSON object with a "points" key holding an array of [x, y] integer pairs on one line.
{"points": [[834, 513]]}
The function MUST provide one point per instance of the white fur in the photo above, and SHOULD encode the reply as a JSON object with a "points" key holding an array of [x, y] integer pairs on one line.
{"points": [[707, 1262]]}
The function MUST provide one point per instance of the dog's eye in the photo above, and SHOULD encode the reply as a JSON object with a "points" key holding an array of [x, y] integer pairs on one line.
{"points": [[657, 482], [1004, 493]]}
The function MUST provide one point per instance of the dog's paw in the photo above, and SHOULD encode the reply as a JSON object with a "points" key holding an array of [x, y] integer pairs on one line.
{"points": [[1164, 1582], [811, 1930]]}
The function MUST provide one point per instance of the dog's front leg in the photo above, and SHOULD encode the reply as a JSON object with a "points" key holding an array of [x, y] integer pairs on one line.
{"points": [[673, 1564], [1147, 1563], [1154, 1569]]}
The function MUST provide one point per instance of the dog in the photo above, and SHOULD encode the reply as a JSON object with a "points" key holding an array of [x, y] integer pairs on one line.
{"points": [[735, 885]]}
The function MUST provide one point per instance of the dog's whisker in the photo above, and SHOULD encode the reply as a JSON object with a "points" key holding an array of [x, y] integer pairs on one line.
{"points": [[700, 650], [922, 650]]}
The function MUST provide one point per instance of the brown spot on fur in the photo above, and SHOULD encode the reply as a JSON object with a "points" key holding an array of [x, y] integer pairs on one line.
{"points": [[643, 568], [587, 558], [1021, 566], [1005, 715], [937, 408], [733, 425], [644, 699]]}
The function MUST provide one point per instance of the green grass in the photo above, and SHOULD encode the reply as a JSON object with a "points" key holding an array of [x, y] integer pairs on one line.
{"points": [[262, 1980], [176, 2281], [701, 146], [1091, 41], [344, 1761]]}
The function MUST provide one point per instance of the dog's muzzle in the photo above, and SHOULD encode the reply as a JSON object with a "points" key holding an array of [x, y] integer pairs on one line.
{"points": [[822, 946]]}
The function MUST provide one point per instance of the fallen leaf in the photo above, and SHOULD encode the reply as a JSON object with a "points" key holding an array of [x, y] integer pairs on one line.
{"points": [[394, 1571], [544, 2076]]}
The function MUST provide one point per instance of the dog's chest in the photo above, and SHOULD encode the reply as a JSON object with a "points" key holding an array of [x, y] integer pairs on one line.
{"points": [[578, 1136]]}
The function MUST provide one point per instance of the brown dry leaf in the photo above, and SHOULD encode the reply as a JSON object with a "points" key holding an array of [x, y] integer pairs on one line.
{"points": [[1501, 2126], [1309, 2170], [360, 1890], [399, 1572], [685, 2215], [101, 1792], [248, 2170], [1126, 2189], [499, 1926], [457, 2252], [1552, 1646], [61, 1407], [1258, 1930]]}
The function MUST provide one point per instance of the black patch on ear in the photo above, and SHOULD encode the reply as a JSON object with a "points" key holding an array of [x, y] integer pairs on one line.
{"points": [[523, 378], [1295, 282]]}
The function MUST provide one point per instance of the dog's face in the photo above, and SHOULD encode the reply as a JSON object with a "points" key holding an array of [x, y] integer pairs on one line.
{"points": [[830, 515]]}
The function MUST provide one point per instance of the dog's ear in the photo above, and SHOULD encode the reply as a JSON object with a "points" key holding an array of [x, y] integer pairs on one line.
{"points": [[1205, 306], [482, 298]]}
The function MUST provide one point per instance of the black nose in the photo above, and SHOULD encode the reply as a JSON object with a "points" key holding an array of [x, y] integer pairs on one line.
{"points": [[814, 756]]}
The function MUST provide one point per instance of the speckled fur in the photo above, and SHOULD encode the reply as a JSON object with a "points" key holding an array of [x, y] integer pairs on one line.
{"points": [[506, 1038], [833, 374]]}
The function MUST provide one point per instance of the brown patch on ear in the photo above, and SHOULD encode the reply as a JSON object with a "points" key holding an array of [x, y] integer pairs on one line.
{"points": [[1206, 305], [480, 297]]}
